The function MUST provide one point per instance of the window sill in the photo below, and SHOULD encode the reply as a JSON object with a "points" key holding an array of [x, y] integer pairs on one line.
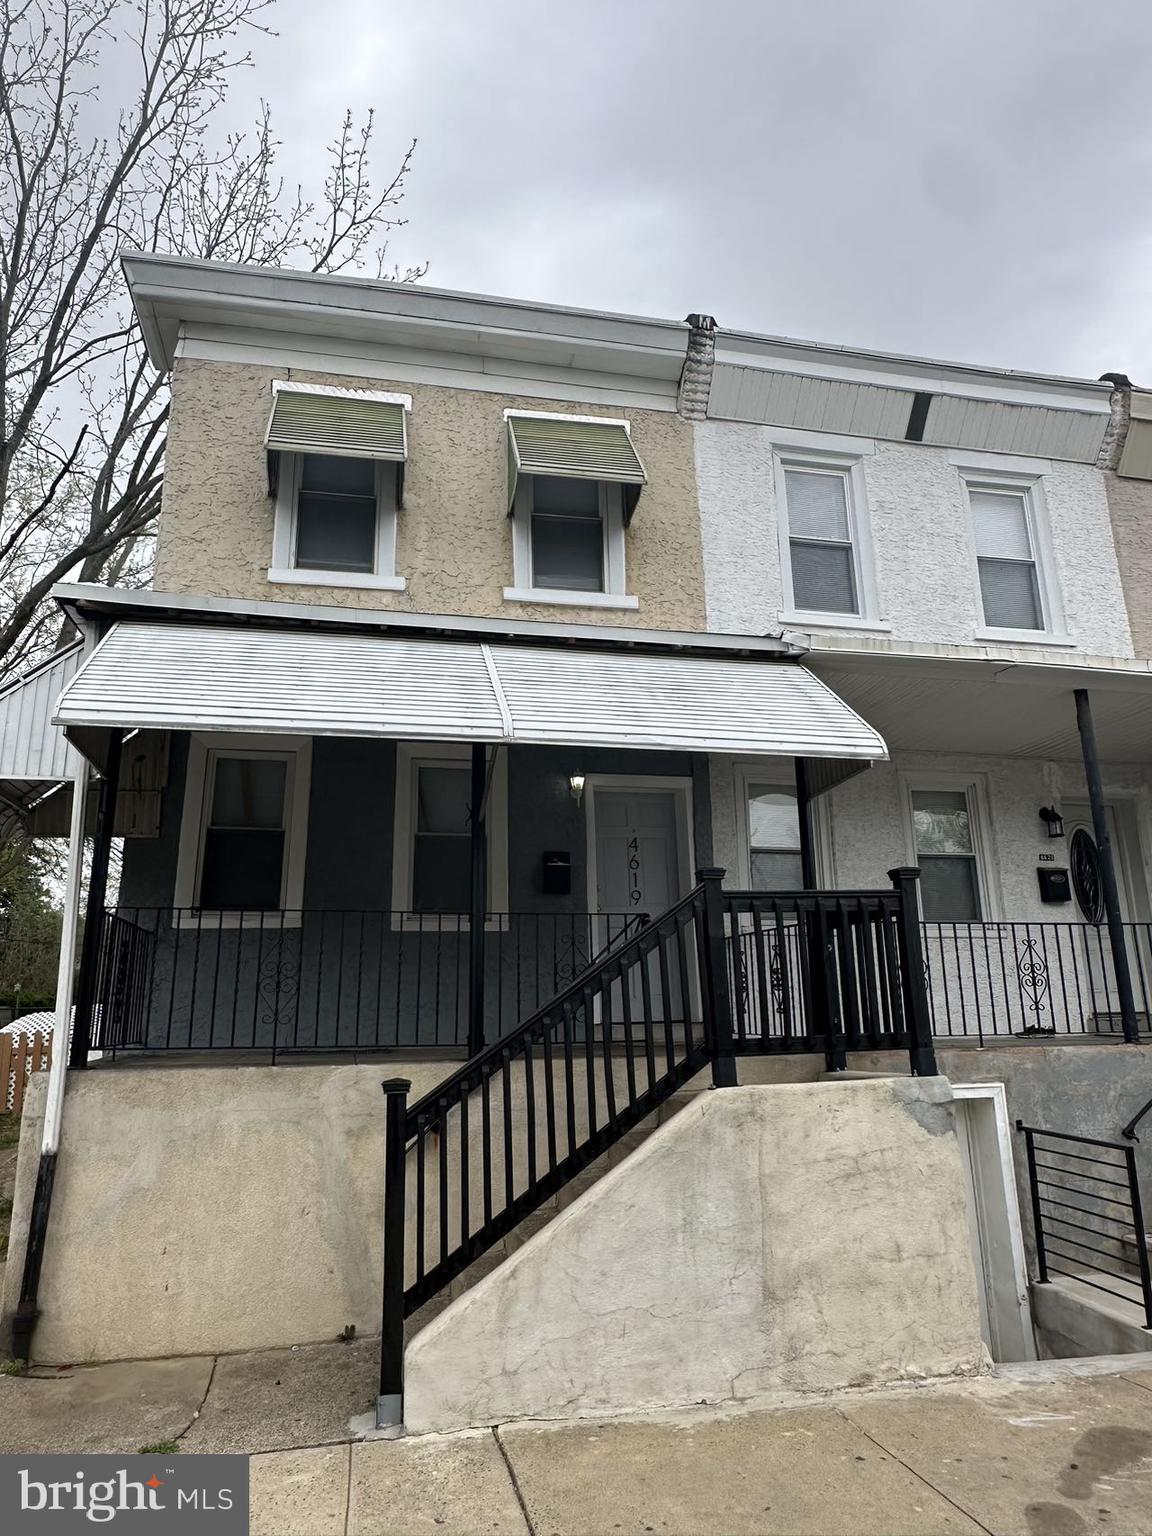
{"points": [[266, 922], [444, 922], [835, 621], [339, 579], [565, 599], [1026, 637]]}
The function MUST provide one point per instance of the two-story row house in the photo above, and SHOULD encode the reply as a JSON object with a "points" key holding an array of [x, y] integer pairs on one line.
{"points": [[585, 697]]}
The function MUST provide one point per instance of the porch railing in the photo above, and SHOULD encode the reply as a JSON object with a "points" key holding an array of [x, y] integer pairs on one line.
{"points": [[325, 980], [1031, 980], [1087, 1215]]}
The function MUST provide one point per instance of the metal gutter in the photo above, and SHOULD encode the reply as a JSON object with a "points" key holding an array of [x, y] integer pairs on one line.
{"points": [[86, 600]]}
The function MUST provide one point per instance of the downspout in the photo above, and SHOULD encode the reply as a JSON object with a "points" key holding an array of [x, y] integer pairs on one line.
{"points": [[1116, 432], [27, 1309], [696, 374]]}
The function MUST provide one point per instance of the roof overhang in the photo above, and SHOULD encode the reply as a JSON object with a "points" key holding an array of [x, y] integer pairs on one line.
{"points": [[170, 291], [995, 706], [386, 686]]}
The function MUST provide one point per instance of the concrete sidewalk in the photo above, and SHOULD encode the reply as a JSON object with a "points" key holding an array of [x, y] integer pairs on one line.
{"points": [[1058, 1449]]}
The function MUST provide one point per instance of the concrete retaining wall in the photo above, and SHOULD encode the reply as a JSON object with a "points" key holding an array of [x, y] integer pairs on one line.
{"points": [[800, 1237]]}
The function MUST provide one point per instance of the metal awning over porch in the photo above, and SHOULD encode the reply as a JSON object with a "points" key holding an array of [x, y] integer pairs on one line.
{"points": [[158, 676]]}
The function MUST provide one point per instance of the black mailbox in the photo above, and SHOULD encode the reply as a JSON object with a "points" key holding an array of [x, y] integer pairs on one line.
{"points": [[557, 876], [1054, 885]]}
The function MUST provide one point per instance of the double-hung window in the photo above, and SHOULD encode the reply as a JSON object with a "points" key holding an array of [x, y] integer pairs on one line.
{"points": [[945, 839], [336, 459], [824, 545], [773, 838], [1004, 534], [432, 848], [573, 484], [242, 839]]}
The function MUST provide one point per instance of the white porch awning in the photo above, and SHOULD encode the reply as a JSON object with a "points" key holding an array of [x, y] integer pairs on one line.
{"points": [[326, 683]]}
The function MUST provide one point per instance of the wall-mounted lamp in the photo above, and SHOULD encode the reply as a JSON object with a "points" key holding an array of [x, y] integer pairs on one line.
{"points": [[1053, 820], [576, 787]]}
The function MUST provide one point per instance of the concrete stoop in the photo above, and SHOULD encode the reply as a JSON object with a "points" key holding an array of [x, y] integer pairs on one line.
{"points": [[765, 1238], [1075, 1319]]}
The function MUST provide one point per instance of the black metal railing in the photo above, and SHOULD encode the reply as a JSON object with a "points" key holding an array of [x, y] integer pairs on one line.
{"points": [[508, 1130], [328, 980], [1031, 980], [1087, 1216], [817, 971]]}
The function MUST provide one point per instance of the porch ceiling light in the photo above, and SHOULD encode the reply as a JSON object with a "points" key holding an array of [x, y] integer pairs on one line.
{"points": [[576, 787], [1053, 820]]}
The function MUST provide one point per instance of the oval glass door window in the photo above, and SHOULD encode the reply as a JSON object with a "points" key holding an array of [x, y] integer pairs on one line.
{"points": [[1085, 860]]}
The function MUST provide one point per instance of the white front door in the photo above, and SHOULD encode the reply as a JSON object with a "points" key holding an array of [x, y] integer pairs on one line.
{"points": [[636, 872]]}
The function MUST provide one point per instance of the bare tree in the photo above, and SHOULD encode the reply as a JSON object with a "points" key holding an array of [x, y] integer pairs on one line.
{"points": [[83, 415]]}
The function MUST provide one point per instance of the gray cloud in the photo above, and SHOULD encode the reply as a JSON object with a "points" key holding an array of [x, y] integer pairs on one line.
{"points": [[964, 181]]}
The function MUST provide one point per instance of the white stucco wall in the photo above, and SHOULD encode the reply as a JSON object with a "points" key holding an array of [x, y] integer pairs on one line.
{"points": [[864, 830], [804, 1238], [918, 516]]}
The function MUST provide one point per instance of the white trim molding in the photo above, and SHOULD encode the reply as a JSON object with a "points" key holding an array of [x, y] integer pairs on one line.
{"points": [[614, 593], [1029, 486], [410, 757], [974, 787], [284, 570], [204, 749], [850, 467]]}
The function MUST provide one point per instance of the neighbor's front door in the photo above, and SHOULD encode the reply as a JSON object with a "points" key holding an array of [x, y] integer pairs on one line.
{"points": [[1094, 974]]}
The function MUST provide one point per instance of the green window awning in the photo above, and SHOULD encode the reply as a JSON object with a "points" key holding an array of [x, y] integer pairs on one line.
{"points": [[581, 448], [357, 425]]}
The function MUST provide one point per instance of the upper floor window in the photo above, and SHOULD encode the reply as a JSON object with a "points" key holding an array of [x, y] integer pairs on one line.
{"points": [[574, 482], [1010, 589], [336, 511], [824, 545]]}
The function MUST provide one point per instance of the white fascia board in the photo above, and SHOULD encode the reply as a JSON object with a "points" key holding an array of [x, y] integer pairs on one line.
{"points": [[168, 291], [969, 381]]}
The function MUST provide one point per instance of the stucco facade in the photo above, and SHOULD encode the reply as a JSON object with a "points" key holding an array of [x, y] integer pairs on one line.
{"points": [[1130, 505], [454, 536], [917, 518]]}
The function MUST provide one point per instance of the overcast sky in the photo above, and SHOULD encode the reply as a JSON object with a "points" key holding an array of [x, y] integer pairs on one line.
{"points": [[967, 181]]}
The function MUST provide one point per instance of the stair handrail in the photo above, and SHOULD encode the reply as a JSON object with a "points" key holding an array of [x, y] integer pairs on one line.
{"points": [[642, 941]]}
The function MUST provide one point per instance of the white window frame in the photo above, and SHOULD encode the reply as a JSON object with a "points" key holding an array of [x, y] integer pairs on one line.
{"points": [[409, 757], [382, 578], [203, 751], [974, 788], [850, 466], [524, 590], [1028, 485], [767, 774]]}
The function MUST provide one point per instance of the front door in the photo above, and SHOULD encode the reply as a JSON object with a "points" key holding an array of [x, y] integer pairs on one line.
{"points": [[636, 869], [1096, 973]]}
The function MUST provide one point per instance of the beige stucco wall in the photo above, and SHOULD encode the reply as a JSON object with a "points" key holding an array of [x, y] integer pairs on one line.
{"points": [[1130, 508], [802, 1237], [454, 541]]}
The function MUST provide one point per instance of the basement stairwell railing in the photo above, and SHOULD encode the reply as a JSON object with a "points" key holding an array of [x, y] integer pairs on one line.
{"points": [[718, 975]]}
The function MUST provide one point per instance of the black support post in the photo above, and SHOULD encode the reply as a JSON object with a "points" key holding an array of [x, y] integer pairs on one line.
{"points": [[717, 995], [913, 983], [94, 911], [804, 817], [478, 902], [1109, 887], [390, 1402]]}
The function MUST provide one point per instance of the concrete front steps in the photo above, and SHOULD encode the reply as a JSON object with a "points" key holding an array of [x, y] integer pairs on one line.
{"points": [[548, 1212], [1076, 1319]]}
